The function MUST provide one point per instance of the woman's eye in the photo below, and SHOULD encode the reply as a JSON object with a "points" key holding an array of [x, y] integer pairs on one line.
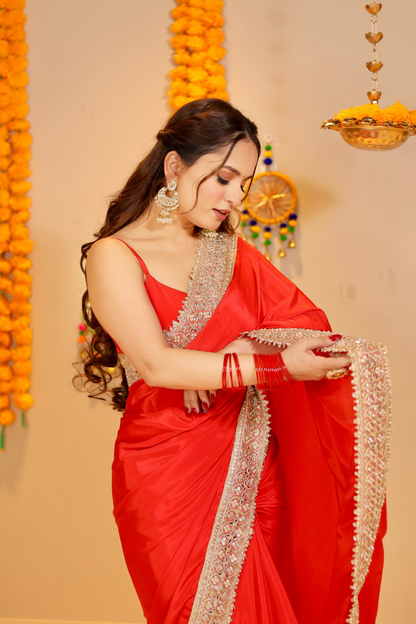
{"points": [[221, 180]]}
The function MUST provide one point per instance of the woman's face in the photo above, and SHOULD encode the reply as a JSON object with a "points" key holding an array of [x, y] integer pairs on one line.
{"points": [[223, 191]]}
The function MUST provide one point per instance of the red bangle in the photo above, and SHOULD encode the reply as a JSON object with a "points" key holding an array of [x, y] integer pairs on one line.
{"points": [[289, 378], [271, 371], [238, 370], [224, 370]]}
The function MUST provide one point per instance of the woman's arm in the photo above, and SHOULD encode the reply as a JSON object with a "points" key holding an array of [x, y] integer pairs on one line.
{"points": [[120, 302]]}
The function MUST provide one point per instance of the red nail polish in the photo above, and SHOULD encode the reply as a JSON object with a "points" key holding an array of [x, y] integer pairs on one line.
{"points": [[187, 410], [205, 406], [335, 337], [195, 410]]}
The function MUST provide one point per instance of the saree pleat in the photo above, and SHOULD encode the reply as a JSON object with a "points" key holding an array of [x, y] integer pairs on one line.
{"points": [[247, 513]]}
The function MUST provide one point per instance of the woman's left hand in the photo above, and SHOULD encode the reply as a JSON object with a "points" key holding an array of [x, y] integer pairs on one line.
{"points": [[198, 401]]}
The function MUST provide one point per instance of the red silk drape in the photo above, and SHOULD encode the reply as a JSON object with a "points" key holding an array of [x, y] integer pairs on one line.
{"points": [[169, 472]]}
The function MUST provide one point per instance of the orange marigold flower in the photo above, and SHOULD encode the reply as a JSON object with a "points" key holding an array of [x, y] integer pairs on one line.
{"points": [[18, 79], [18, 111], [5, 354], [182, 58], [4, 67], [20, 354], [21, 247], [179, 41], [21, 156], [178, 101], [22, 369], [412, 117], [19, 96], [216, 53], [396, 112], [12, 18], [180, 25], [213, 5], [178, 87], [180, 72], [5, 100], [19, 124], [220, 95], [20, 203], [14, 33], [4, 48], [5, 269], [214, 37], [6, 416], [17, 63], [20, 262], [23, 336], [4, 306], [10, 5], [20, 188], [18, 48], [19, 217], [5, 148], [4, 198], [195, 13], [179, 11], [197, 74], [20, 384], [4, 180], [4, 401], [196, 3], [5, 339], [197, 59], [4, 163], [22, 322], [4, 232], [20, 307], [21, 140], [21, 277], [20, 291], [213, 68], [216, 83], [358, 112], [197, 91], [4, 87], [19, 172], [195, 27], [5, 286], [213, 19], [5, 372], [5, 116], [23, 400], [197, 44]]}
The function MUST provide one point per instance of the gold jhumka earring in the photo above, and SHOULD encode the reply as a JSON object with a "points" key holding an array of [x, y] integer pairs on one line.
{"points": [[166, 203]]}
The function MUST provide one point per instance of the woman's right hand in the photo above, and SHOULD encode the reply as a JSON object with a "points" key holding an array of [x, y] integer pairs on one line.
{"points": [[304, 365]]}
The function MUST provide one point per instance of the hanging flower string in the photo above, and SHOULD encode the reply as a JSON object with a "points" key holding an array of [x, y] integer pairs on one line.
{"points": [[15, 282], [198, 52]]}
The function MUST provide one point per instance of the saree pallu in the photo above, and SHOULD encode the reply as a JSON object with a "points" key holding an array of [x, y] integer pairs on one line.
{"points": [[268, 508]]}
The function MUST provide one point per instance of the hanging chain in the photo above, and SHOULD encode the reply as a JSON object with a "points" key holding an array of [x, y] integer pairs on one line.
{"points": [[374, 37]]}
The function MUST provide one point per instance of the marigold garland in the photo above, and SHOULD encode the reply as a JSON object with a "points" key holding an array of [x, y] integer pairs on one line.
{"points": [[15, 282], [198, 51]]}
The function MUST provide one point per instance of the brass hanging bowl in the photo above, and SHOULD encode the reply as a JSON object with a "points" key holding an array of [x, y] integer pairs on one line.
{"points": [[381, 138]]}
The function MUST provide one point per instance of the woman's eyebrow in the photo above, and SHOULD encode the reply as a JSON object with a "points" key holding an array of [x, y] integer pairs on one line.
{"points": [[235, 171]]}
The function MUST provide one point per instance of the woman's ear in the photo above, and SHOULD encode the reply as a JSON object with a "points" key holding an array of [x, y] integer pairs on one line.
{"points": [[172, 165]]}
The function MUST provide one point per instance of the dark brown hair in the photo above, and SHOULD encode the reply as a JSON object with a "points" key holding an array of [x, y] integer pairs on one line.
{"points": [[198, 128]]}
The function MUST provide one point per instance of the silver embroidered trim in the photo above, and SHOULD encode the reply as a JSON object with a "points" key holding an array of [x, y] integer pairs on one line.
{"points": [[131, 373], [373, 413], [233, 525], [210, 277]]}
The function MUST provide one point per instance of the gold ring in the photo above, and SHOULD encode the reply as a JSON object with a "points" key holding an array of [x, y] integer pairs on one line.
{"points": [[336, 373]]}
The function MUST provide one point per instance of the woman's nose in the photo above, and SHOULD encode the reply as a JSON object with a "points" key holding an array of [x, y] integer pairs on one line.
{"points": [[233, 195]]}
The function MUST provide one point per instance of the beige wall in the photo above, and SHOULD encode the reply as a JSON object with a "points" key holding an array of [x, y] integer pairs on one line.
{"points": [[98, 94]]}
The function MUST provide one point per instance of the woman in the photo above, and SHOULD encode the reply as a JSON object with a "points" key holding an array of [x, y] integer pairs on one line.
{"points": [[232, 504]]}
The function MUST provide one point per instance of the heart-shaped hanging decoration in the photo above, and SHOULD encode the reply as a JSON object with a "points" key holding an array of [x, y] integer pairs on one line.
{"points": [[374, 37], [373, 8], [374, 67]]}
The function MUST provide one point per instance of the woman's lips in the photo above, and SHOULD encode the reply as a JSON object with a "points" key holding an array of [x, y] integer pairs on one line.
{"points": [[219, 214]]}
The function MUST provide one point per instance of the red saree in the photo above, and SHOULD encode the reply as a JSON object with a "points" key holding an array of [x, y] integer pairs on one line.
{"points": [[268, 508]]}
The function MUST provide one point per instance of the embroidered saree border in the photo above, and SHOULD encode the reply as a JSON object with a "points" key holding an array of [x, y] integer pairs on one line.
{"points": [[233, 525], [373, 412], [210, 277]]}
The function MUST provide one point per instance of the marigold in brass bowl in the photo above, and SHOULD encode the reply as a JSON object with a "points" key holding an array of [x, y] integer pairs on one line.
{"points": [[370, 127]]}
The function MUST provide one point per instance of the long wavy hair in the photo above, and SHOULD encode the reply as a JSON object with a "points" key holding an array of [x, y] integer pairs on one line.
{"points": [[201, 127]]}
